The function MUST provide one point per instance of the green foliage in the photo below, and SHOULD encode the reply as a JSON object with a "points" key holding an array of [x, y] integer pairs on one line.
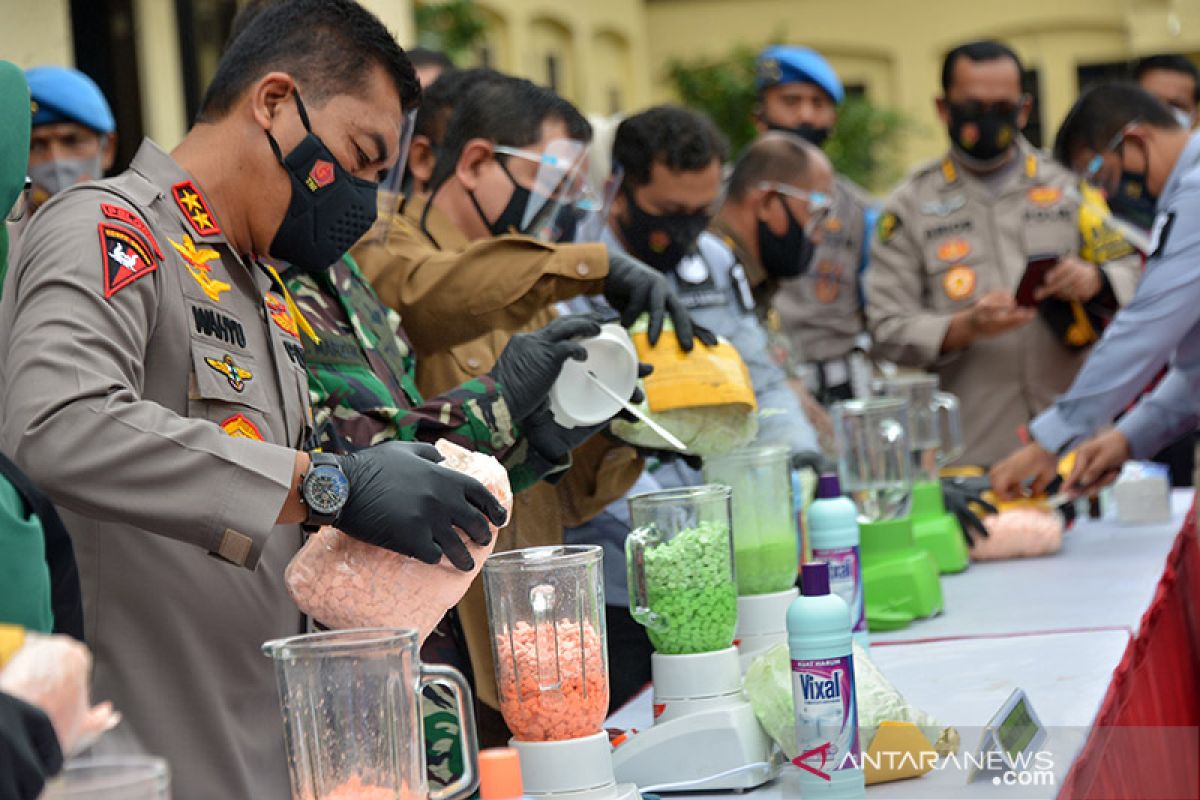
{"points": [[455, 27], [864, 145]]}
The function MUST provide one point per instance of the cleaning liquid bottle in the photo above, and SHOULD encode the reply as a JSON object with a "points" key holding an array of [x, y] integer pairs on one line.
{"points": [[500, 775], [833, 536], [819, 641]]}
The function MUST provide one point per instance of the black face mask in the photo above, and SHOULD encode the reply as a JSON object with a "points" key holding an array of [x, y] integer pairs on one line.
{"points": [[512, 217], [809, 133], [996, 130], [787, 256], [330, 209], [1132, 201], [660, 240]]}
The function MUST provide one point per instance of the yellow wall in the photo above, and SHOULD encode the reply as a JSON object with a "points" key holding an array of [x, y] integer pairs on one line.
{"points": [[37, 33], [600, 48], [895, 47]]}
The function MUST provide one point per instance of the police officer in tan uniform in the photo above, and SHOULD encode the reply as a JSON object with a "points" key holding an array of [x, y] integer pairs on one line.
{"points": [[153, 384], [953, 243], [820, 311]]}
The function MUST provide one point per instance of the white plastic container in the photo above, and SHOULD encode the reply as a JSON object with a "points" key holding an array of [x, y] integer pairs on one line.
{"points": [[819, 643], [834, 538], [575, 400]]}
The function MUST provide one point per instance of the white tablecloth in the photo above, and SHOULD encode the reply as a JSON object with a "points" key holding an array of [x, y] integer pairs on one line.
{"points": [[1055, 627]]}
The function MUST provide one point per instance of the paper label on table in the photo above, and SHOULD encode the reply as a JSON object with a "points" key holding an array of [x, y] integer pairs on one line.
{"points": [[826, 715], [845, 580], [707, 376]]}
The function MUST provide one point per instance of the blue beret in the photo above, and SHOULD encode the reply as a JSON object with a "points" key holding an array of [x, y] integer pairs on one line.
{"points": [[61, 94], [791, 64]]}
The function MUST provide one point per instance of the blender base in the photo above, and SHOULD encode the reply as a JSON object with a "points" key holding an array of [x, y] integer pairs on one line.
{"points": [[762, 623], [936, 531], [900, 580], [579, 769], [705, 735]]}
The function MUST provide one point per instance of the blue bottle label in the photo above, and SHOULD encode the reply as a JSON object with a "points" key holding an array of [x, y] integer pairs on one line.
{"points": [[845, 580], [826, 715]]}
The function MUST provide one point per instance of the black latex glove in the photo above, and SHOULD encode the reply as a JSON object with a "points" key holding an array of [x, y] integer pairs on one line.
{"points": [[959, 495], [638, 395], [402, 500], [531, 362], [635, 289], [551, 440], [29, 749]]}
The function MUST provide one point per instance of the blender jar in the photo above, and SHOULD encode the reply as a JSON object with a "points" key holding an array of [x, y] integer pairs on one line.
{"points": [[765, 540], [682, 583], [935, 426], [352, 715], [111, 778], [546, 612], [874, 456]]}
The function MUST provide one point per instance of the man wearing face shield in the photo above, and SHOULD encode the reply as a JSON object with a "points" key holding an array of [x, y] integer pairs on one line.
{"points": [[1128, 144], [820, 312], [154, 386], [954, 242]]}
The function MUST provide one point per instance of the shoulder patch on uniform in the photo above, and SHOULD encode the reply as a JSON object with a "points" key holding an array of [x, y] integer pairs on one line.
{"points": [[887, 225], [126, 257], [240, 427], [132, 220], [195, 208]]}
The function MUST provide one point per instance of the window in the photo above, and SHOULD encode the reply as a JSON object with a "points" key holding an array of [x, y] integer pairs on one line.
{"points": [[1088, 75], [552, 71], [203, 28], [1031, 86], [106, 51]]}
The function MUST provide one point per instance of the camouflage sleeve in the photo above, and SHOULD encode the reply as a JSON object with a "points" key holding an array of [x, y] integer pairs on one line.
{"points": [[362, 390]]}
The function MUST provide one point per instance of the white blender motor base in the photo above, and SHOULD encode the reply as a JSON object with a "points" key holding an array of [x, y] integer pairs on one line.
{"points": [[578, 769], [762, 623], [705, 737]]}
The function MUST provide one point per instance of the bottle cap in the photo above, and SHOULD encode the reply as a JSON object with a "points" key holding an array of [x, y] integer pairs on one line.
{"points": [[814, 578], [828, 486], [500, 774]]}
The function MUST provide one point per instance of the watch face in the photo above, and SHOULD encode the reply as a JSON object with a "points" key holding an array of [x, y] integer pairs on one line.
{"points": [[326, 490]]}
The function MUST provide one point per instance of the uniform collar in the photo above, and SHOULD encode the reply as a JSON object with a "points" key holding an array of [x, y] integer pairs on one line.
{"points": [[1027, 172], [1189, 160], [756, 273], [438, 228], [182, 192]]}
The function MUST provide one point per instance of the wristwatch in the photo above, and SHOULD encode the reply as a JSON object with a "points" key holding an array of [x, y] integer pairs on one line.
{"points": [[324, 490]]}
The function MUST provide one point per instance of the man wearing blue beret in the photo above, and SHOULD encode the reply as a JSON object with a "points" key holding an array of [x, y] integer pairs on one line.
{"points": [[821, 311], [74, 135]]}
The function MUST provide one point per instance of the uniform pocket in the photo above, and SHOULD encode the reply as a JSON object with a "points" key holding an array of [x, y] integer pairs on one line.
{"points": [[226, 387], [952, 273]]}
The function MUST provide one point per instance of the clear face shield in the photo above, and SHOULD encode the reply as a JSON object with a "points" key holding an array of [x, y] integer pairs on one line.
{"points": [[557, 193], [391, 186], [594, 208]]}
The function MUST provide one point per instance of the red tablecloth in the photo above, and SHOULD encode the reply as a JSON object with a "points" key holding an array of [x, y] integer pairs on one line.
{"points": [[1146, 739]]}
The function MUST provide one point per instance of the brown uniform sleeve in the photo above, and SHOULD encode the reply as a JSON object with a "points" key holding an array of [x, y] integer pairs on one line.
{"points": [[73, 366], [450, 297], [602, 470], [903, 328]]}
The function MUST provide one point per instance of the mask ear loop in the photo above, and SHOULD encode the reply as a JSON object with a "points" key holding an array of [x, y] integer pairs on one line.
{"points": [[475, 201], [303, 119]]}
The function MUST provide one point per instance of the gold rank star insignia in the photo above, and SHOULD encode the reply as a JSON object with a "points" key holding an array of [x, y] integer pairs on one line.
{"points": [[196, 260], [193, 205]]}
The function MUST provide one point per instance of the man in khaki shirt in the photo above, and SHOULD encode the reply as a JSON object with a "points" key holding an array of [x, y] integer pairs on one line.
{"points": [[953, 243], [152, 382]]}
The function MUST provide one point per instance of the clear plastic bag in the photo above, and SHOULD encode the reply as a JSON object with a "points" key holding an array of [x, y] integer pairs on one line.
{"points": [[344, 583], [53, 673]]}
